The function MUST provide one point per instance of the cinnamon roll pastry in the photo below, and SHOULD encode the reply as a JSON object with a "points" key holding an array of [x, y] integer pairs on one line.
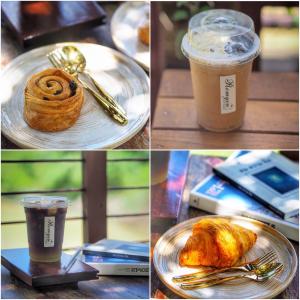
{"points": [[144, 34], [53, 100], [216, 243]]}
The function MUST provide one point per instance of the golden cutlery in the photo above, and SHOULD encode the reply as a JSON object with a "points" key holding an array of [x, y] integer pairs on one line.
{"points": [[76, 59], [262, 273], [249, 266], [58, 61]]}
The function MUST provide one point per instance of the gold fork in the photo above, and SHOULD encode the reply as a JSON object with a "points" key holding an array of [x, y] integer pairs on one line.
{"points": [[262, 273], [249, 266]]}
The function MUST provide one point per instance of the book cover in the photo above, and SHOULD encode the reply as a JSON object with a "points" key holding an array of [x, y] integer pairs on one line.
{"points": [[117, 266], [118, 249], [266, 176], [218, 196]]}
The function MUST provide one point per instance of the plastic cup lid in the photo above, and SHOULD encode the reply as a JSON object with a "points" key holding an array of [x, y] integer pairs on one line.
{"points": [[45, 201], [221, 36]]}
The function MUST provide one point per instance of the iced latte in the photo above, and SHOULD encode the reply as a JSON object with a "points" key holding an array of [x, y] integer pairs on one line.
{"points": [[221, 45]]}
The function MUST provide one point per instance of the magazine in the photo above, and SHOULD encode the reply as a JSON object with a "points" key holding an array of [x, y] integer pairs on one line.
{"points": [[117, 266], [118, 249], [266, 176]]}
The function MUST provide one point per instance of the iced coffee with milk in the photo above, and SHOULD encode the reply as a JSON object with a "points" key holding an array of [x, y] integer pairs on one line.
{"points": [[221, 45], [45, 218]]}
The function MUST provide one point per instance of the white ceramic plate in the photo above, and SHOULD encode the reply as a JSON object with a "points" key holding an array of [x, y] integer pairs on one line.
{"points": [[166, 252], [124, 29], [119, 75]]}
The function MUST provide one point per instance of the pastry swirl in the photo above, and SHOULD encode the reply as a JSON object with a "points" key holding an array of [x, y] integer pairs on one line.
{"points": [[53, 100]]}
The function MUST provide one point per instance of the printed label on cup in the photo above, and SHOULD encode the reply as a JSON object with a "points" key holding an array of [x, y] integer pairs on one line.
{"points": [[49, 227], [228, 98]]}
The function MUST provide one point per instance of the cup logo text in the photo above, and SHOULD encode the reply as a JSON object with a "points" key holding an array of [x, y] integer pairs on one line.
{"points": [[227, 89], [49, 229]]}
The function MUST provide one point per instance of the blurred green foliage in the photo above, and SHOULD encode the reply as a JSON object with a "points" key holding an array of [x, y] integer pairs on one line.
{"points": [[186, 9], [63, 175], [136, 174], [179, 14], [121, 154], [40, 176], [31, 154], [218, 153]]}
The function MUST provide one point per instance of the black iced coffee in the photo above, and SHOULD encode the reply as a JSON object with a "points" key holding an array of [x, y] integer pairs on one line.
{"points": [[45, 218]]}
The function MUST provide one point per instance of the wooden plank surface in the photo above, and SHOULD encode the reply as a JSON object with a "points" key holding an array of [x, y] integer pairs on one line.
{"points": [[180, 113], [266, 86], [271, 120], [199, 168], [192, 139], [106, 287]]}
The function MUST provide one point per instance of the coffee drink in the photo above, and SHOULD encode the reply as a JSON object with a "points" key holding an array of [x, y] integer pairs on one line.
{"points": [[159, 166], [221, 45], [45, 217]]}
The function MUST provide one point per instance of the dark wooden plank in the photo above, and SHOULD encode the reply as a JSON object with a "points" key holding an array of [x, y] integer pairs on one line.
{"points": [[166, 196], [266, 86], [13, 288], [94, 197], [37, 274], [199, 168], [261, 116], [43, 22], [193, 139], [106, 287]]}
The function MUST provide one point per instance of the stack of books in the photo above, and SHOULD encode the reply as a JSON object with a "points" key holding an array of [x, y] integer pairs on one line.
{"points": [[112, 257], [262, 185]]}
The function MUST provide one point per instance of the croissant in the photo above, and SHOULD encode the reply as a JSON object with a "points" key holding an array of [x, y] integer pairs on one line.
{"points": [[53, 100], [216, 243]]}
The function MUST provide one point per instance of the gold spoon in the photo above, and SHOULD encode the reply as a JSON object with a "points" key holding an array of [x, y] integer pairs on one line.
{"points": [[77, 60], [263, 273]]}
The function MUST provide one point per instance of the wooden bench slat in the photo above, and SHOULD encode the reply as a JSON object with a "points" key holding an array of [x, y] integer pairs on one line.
{"points": [[261, 116], [193, 139], [263, 86]]}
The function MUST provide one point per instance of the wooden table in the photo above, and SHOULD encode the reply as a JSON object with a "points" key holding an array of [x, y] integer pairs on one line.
{"points": [[198, 170], [271, 121], [98, 35], [106, 287]]}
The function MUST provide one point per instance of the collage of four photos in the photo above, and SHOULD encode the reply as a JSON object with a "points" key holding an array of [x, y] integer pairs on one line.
{"points": [[149, 149]]}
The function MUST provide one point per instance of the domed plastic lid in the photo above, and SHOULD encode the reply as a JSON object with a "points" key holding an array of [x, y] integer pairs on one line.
{"points": [[221, 36], [45, 201]]}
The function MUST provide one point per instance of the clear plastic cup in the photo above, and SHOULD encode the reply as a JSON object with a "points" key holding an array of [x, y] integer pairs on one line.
{"points": [[159, 166], [221, 45], [45, 218]]}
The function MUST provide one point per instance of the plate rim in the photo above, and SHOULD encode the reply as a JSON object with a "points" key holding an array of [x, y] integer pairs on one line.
{"points": [[112, 24], [27, 145], [186, 296]]}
